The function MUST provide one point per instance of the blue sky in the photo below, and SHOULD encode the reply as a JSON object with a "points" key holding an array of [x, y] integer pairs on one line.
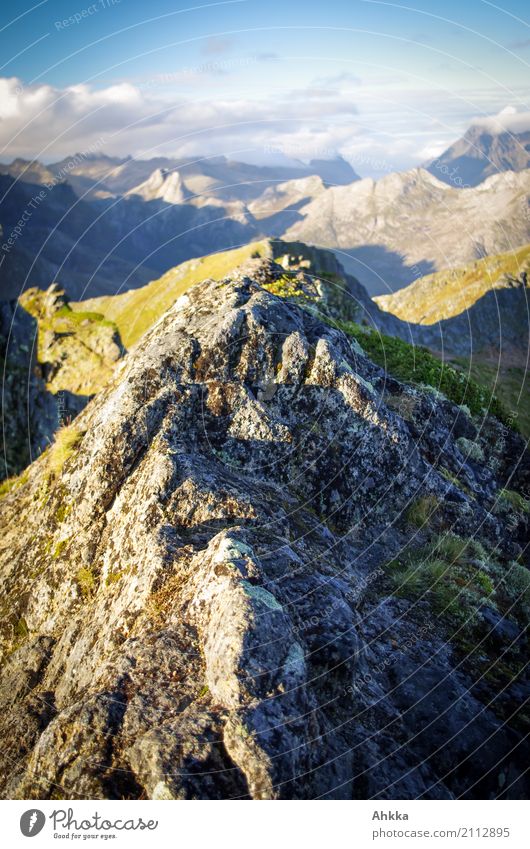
{"points": [[371, 80]]}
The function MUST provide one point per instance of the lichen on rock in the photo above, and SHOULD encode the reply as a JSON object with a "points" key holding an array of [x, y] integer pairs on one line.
{"points": [[234, 490]]}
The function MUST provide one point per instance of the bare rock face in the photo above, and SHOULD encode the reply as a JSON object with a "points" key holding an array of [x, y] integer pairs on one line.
{"points": [[163, 185], [196, 604], [390, 232], [28, 412]]}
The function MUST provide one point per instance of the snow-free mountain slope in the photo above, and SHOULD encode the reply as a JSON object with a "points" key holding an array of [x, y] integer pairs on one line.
{"points": [[479, 154], [451, 292], [145, 217], [392, 231]]}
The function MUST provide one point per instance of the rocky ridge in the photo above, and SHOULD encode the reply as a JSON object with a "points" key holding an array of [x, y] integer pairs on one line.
{"points": [[201, 598], [163, 185]]}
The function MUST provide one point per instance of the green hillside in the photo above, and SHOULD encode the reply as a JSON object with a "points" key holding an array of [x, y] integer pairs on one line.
{"points": [[448, 293], [137, 310]]}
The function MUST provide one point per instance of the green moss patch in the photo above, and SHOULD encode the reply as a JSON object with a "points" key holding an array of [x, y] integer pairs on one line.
{"points": [[288, 286], [422, 510], [87, 582], [12, 484]]}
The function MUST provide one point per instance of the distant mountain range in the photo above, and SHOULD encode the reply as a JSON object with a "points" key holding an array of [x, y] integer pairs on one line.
{"points": [[99, 225], [397, 229], [479, 154], [100, 176], [48, 234], [108, 225]]}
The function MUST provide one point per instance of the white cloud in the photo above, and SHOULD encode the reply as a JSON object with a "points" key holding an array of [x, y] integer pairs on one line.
{"points": [[48, 123], [218, 44], [507, 120], [341, 80], [45, 122], [40, 120], [433, 150]]}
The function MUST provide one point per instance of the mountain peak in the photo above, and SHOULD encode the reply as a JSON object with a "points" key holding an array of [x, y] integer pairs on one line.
{"points": [[479, 154], [163, 184], [335, 172]]}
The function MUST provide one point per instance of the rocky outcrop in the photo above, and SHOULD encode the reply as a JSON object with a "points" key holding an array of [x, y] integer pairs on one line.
{"points": [[200, 584], [29, 415], [77, 349], [337, 295], [53, 361], [163, 185]]}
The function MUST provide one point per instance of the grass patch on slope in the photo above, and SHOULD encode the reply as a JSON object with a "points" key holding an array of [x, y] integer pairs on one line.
{"points": [[135, 311], [481, 602], [509, 383], [76, 317], [458, 575], [451, 572], [422, 511], [66, 441], [12, 484], [515, 500], [417, 365]]}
